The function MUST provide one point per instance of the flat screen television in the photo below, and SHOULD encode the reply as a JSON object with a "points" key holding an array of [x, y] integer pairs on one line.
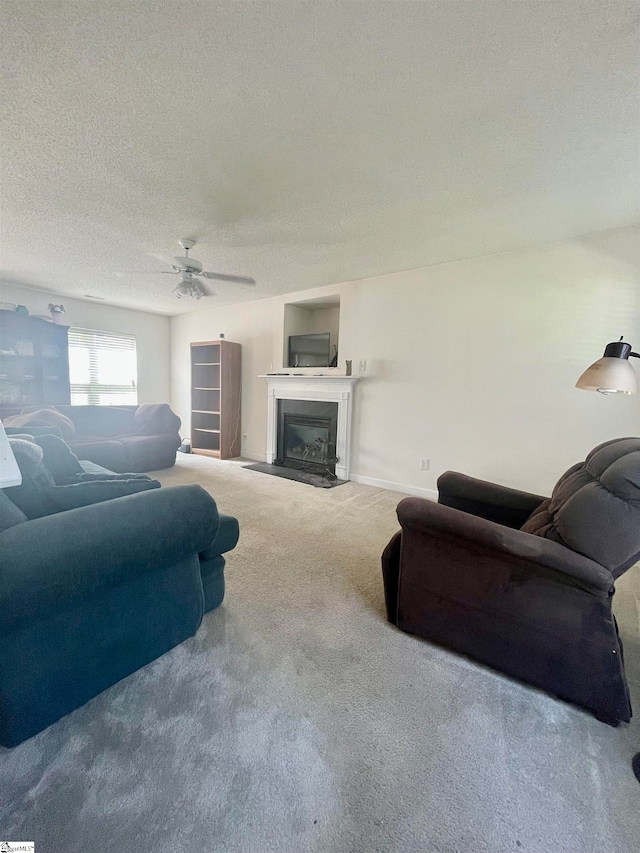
{"points": [[309, 350]]}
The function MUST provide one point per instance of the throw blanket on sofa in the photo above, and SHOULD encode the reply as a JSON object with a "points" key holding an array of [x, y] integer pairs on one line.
{"points": [[43, 417]]}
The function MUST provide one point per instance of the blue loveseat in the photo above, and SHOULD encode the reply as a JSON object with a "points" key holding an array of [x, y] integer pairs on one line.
{"points": [[122, 438], [90, 594]]}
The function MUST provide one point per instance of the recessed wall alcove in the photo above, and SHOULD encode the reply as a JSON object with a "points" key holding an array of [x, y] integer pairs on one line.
{"points": [[311, 318]]}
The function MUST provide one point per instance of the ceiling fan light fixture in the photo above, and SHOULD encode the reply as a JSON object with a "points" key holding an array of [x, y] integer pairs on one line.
{"points": [[182, 291], [188, 289]]}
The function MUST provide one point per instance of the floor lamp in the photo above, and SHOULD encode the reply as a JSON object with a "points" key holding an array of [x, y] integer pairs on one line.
{"points": [[613, 374]]}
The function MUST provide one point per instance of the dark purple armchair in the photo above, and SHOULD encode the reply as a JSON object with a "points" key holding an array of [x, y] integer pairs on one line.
{"points": [[523, 583]]}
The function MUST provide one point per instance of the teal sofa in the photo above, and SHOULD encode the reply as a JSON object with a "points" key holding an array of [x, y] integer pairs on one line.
{"points": [[122, 438], [91, 594]]}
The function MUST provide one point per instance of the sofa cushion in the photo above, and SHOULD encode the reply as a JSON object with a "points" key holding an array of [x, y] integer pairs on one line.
{"points": [[41, 417], [10, 515], [148, 452], [595, 507], [107, 452], [105, 421], [59, 459], [66, 469], [92, 469], [29, 495], [29, 457]]}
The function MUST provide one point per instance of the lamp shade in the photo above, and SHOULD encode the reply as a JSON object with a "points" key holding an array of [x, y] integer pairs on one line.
{"points": [[611, 374]]}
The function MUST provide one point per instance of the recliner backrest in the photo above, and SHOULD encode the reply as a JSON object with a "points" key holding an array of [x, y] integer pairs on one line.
{"points": [[595, 507]]}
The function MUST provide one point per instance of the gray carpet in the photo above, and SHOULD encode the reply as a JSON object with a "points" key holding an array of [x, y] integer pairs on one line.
{"points": [[299, 720]]}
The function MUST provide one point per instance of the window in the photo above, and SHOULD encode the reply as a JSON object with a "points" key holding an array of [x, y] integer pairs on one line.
{"points": [[102, 368]]}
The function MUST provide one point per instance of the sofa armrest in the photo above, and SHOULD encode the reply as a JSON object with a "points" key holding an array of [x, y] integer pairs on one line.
{"points": [[487, 500], [48, 562], [226, 538], [155, 419], [444, 522]]}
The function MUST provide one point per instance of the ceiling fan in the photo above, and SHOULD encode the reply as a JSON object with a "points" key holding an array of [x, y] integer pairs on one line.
{"points": [[190, 271]]}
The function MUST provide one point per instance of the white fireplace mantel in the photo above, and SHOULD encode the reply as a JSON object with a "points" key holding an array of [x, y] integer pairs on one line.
{"points": [[326, 388]]}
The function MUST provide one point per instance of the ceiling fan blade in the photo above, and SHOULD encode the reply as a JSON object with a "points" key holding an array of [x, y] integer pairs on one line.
{"points": [[238, 279], [145, 272]]}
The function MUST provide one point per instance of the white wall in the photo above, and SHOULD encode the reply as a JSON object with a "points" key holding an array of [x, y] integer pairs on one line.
{"points": [[297, 321], [151, 332], [327, 320], [471, 364]]}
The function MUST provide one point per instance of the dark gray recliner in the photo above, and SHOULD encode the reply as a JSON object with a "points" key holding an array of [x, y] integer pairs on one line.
{"points": [[525, 583]]}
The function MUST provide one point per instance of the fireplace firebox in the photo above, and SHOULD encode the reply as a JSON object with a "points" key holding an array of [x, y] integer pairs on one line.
{"points": [[307, 433]]}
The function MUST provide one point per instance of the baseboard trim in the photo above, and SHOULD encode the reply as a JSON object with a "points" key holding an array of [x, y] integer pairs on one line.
{"points": [[416, 491], [250, 454]]}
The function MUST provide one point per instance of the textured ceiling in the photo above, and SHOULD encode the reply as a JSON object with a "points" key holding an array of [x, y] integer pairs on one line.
{"points": [[304, 143]]}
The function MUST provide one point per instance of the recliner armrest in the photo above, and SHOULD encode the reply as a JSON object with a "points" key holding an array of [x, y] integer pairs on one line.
{"points": [[48, 562], [487, 500], [449, 523]]}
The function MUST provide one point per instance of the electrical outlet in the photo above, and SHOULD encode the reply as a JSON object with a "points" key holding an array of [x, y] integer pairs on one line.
{"points": [[362, 365], [424, 464]]}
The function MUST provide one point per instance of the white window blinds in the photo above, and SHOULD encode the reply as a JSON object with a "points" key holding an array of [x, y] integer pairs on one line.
{"points": [[102, 368]]}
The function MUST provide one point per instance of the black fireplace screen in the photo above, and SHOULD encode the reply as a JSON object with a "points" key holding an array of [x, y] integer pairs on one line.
{"points": [[307, 435], [307, 439]]}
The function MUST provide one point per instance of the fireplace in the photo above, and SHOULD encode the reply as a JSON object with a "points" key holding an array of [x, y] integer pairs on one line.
{"points": [[306, 435], [333, 388]]}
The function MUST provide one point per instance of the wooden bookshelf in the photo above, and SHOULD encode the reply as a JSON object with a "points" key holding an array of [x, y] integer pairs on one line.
{"points": [[216, 384]]}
